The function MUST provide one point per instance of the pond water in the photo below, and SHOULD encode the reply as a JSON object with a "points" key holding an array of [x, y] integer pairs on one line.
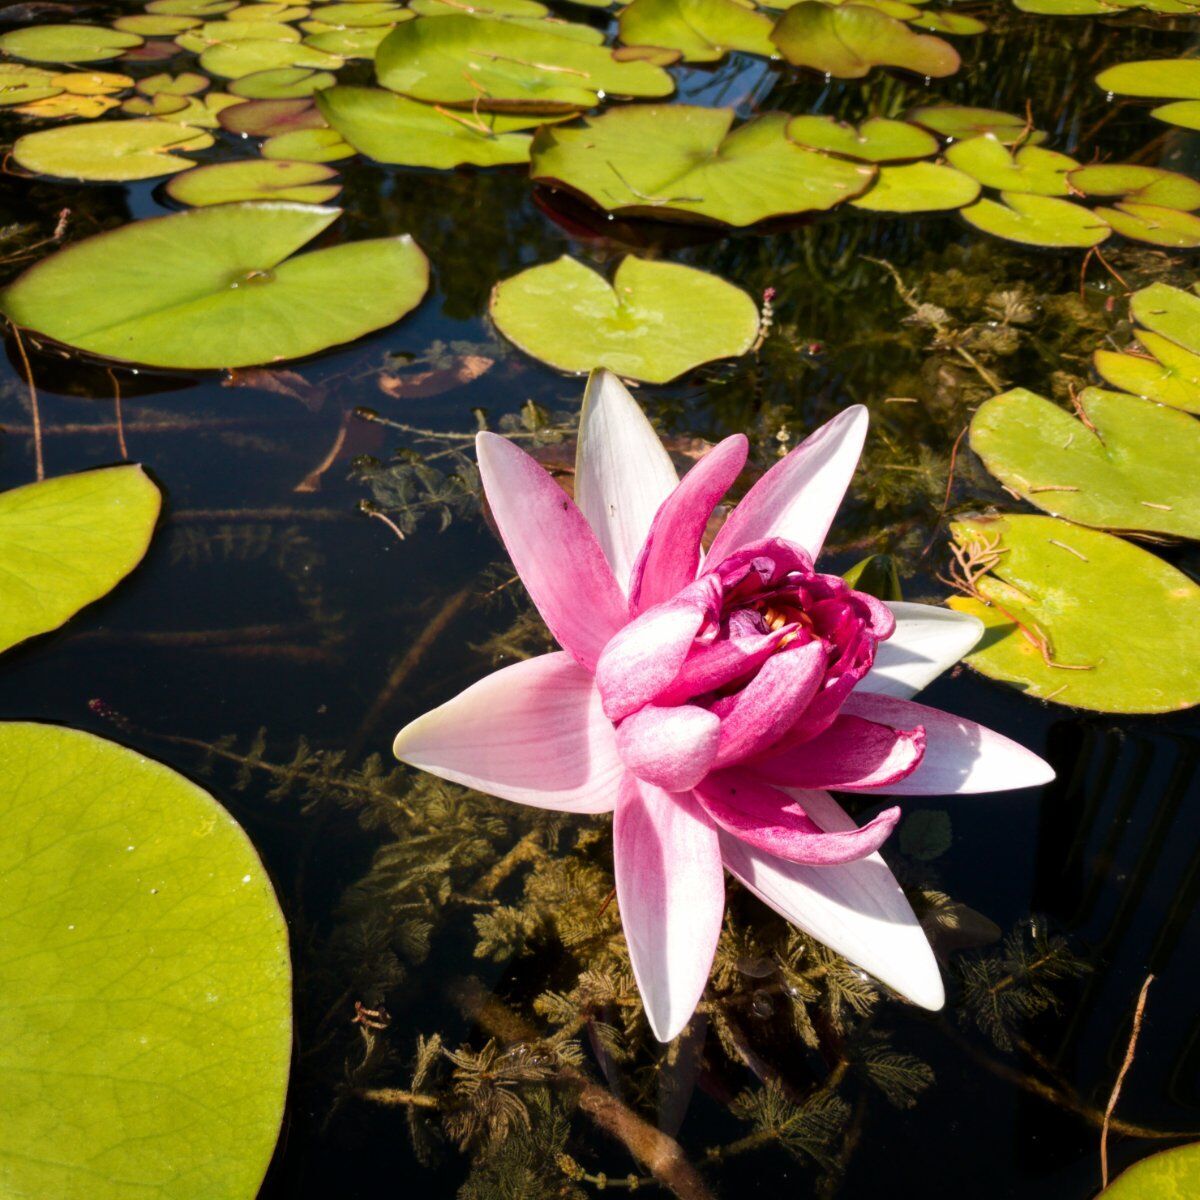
{"points": [[276, 637]]}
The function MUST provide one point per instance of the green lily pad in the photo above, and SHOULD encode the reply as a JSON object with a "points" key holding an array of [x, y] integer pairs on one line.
{"points": [[191, 8], [1065, 8], [918, 187], [1165, 373], [268, 12], [1165, 78], [954, 24], [187, 83], [1169, 312], [1183, 113], [1029, 169], [307, 145], [848, 40], [876, 140], [1038, 221], [1134, 471], [68, 541], [683, 162], [1141, 185], [109, 150], [960, 121], [654, 322], [66, 43], [364, 14], [144, 980], [701, 30], [349, 43], [153, 25], [1168, 1175], [204, 112], [266, 118], [161, 105], [214, 287], [479, 8], [1154, 224], [1120, 626], [255, 179], [484, 63], [234, 33], [232, 60], [22, 84], [394, 129], [290, 83]]}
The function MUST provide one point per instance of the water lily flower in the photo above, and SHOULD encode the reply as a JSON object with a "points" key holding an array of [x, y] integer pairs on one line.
{"points": [[710, 700]]}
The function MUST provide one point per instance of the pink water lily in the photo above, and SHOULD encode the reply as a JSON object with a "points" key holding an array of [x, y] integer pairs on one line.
{"points": [[710, 700]]}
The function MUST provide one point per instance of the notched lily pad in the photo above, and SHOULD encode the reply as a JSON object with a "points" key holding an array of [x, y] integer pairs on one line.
{"points": [[287, 83], [1162, 371], [307, 145], [1038, 221], [110, 151], [66, 43], [1168, 1175], [1029, 169], [1160, 78], [963, 121], [1153, 224], [918, 187], [255, 179], [876, 140], [1183, 113], [186, 83], [1170, 312], [701, 30], [1138, 184]]}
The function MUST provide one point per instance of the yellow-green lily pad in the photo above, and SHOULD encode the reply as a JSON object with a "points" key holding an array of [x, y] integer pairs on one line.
{"points": [[1081, 617], [234, 34], [155, 25], [654, 322], [234, 59], [701, 30], [364, 14], [308, 145], [1183, 113], [1164, 78], [1168, 1175], [145, 980], [22, 83], [1170, 312], [1165, 373], [288, 83], [66, 43], [1154, 224], [349, 43], [110, 151], [1030, 169], [266, 118], [191, 8], [952, 23], [255, 179], [186, 83], [1038, 221], [1138, 184], [963, 121], [876, 140], [917, 187]]}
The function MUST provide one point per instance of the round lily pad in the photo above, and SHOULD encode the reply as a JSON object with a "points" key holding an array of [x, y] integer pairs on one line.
{"points": [[214, 287], [68, 105], [1131, 467], [1082, 617], [162, 104], [394, 129], [846, 41], [654, 322], [66, 43], [1165, 78], [1029, 169], [266, 118], [191, 8], [307, 145], [485, 63], [235, 34], [684, 163], [255, 179], [955, 24], [701, 30], [234, 59], [364, 14], [145, 983], [1170, 312], [21, 83], [1184, 113], [1154, 224], [877, 139], [204, 112], [68, 541], [1165, 373], [1038, 221], [109, 150], [186, 83], [962, 121], [154, 24], [93, 83], [1168, 1175], [349, 43], [268, 12], [1141, 185], [480, 8], [289, 83], [917, 187]]}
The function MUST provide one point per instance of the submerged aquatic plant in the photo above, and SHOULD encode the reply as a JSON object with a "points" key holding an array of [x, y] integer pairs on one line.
{"points": [[708, 700]]}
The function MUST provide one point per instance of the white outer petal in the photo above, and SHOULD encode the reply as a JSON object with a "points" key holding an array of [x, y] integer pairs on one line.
{"points": [[928, 640], [857, 909], [622, 471]]}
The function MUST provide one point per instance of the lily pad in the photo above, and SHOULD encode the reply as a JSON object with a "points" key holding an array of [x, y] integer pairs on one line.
{"points": [[1029, 169], [214, 287], [1168, 1175], [683, 162], [307, 145], [701, 30], [394, 129], [1183, 113], [1165, 373], [917, 187], [1132, 466], [268, 12], [1141, 185], [191, 8], [68, 541], [255, 179], [1082, 617], [234, 59], [955, 24], [203, 112], [1154, 224], [485, 63], [66, 43], [21, 84], [364, 14], [110, 151], [349, 43], [1170, 312], [68, 105], [846, 41], [962, 121], [93, 83], [876, 140], [234, 33], [266, 118], [186, 83], [144, 979], [161, 105], [654, 322], [154, 25], [1165, 78], [1038, 221], [289, 83], [480, 8]]}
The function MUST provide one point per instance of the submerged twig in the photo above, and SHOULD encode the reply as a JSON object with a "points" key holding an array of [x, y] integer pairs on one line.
{"points": [[1125, 1065], [35, 411]]}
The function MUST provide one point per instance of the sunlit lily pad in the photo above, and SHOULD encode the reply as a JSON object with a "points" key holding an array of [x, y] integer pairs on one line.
{"points": [[1162, 78], [1082, 617], [363, 14], [498, 64], [1038, 221], [683, 162], [1170, 312], [1141, 185], [235, 34], [1065, 8], [22, 83], [235, 59], [349, 43], [144, 980], [877, 139], [186, 83], [93, 83], [154, 24], [161, 105], [307, 145], [68, 105], [266, 118], [191, 8], [1184, 113], [1163, 372], [1154, 224], [214, 287], [286, 84], [203, 112], [654, 322], [110, 151], [1135, 470], [1168, 1175], [961, 121], [701, 30], [255, 179], [917, 187], [480, 8], [394, 129], [66, 43], [952, 23], [1030, 169], [268, 12], [66, 542], [846, 41]]}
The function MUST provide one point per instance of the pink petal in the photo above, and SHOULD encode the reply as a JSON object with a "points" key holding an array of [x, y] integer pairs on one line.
{"points": [[857, 909], [671, 554], [671, 894], [798, 497], [622, 472], [927, 641], [852, 753], [771, 703], [711, 666], [533, 732], [553, 548], [960, 756], [778, 823], [672, 748]]}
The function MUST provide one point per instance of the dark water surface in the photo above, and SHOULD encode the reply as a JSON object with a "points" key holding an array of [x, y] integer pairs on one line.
{"points": [[263, 607]]}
